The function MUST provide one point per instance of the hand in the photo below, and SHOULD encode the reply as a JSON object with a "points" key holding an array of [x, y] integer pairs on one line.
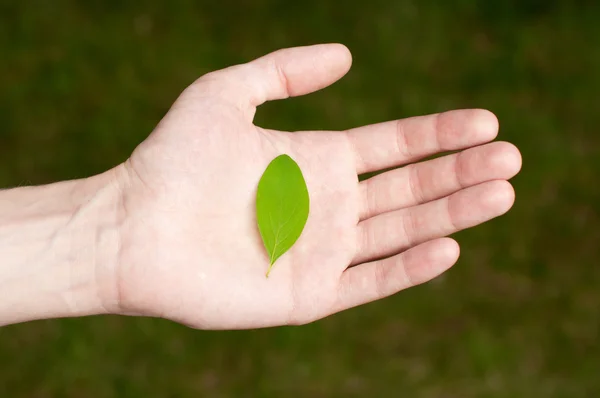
{"points": [[190, 248]]}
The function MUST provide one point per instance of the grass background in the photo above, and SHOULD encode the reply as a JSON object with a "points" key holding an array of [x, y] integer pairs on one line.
{"points": [[82, 83]]}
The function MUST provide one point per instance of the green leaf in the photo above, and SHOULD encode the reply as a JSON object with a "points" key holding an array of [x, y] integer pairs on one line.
{"points": [[282, 206]]}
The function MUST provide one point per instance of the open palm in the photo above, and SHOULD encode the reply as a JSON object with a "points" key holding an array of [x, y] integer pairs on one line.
{"points": [[191, 250]]}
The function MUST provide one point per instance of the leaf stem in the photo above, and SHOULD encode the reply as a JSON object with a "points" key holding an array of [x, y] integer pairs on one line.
{"points": [[269, 270]]}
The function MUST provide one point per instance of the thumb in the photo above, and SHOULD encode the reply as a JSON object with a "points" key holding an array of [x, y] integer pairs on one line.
{"points": [[281, 74]]}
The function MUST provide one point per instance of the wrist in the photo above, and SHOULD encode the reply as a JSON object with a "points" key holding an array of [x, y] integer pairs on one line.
{"points": [[59, 246]]}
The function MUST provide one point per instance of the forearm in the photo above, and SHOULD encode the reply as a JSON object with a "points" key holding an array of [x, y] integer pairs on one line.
{"points": [[59, 245]]}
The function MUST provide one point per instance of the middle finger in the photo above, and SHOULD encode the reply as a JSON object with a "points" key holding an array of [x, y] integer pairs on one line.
{"points": [[433, 179]]}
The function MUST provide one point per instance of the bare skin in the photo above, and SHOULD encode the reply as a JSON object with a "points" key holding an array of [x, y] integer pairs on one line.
{"points": [[182, 241]]}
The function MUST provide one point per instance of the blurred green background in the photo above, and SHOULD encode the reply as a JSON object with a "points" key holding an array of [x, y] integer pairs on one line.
{"points": [[83, 82]]}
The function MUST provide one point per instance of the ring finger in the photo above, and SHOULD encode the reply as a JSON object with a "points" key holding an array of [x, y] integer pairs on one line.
{"points": [[393, 232]]}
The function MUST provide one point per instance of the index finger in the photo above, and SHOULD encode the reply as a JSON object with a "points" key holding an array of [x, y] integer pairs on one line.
{"points": [[395, 143]]}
